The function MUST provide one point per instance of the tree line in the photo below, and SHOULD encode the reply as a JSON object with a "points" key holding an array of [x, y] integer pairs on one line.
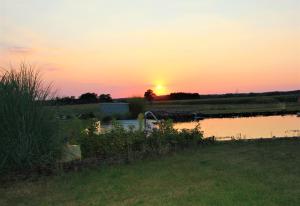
{"points": [[86, 98], [151, 96]]}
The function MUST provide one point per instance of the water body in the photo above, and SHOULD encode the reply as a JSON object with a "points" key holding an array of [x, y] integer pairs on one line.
{"points": [[240, 128], [248, 127]]}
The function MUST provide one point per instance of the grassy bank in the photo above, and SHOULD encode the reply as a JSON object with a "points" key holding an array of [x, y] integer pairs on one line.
{"points": [[231, 104], [241, 173], [225, 108]]}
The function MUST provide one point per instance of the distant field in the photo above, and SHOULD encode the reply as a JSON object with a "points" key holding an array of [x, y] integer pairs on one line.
{"points": [[231, 104], [226, 108], [206, 106], [290, 98], [241, 173]]}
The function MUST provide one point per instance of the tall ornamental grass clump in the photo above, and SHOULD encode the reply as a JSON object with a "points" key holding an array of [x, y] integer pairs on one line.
{"points": [[28, 130]]}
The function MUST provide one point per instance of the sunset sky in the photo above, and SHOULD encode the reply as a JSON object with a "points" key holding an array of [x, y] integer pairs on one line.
{"points": [[124, 47]]}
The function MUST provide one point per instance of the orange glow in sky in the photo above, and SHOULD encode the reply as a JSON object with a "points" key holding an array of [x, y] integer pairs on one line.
{"points": [[160, 90], [125, 47]]}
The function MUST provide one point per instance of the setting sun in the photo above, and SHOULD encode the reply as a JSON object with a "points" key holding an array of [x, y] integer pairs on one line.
{"points": [[160, 90]]}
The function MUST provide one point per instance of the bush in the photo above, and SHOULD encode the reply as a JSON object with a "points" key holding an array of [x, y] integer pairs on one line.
{"points": [[28, 130], [136, 106], [119, 143]]}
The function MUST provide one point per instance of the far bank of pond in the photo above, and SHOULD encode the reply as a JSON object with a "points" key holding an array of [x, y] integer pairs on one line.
{"points": [[184, 116]]}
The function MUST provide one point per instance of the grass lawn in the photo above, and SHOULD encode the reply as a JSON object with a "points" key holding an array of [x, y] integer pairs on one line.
{"points": [[241, 173]]}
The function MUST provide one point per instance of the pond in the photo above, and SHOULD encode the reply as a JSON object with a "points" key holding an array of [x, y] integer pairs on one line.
{"points": [[240, 128]]}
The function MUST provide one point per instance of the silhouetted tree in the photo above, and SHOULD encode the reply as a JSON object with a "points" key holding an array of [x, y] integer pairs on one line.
{"points": [[105, 98], [149, 95], [183, 95], [88, 98]]}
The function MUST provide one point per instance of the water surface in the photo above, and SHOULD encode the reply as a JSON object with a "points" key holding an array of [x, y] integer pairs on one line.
{"points": [[242, 127], [247, 127]]}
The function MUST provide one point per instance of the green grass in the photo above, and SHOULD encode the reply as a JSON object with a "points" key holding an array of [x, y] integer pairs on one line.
{"points": [[231, 104], [241, 173], [226, 108], [78, 109]]}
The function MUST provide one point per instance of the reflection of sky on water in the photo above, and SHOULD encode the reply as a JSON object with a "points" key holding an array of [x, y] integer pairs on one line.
{"points": [[248, 127]]}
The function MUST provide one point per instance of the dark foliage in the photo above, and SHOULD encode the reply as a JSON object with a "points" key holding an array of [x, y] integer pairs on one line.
{"points": [[149, 95], [88, 98], [182, 95], [119, 143], [136, 106], [105, 98], [28, 130], [88, 115], [286, 96]]}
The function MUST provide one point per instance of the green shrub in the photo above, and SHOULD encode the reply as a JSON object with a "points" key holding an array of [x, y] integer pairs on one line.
{"points": [[133, 144], [28, 130], [136, 106], [71, 129]]}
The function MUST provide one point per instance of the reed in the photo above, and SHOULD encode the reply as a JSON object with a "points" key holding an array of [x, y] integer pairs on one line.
{"points": [[28, 130]]}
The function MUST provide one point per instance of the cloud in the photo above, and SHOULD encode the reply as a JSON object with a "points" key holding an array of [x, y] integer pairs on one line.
{"points": [[20, 50]]}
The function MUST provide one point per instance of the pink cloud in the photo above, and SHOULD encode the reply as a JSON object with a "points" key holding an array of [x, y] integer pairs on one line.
{"points": [[20, 50]]}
